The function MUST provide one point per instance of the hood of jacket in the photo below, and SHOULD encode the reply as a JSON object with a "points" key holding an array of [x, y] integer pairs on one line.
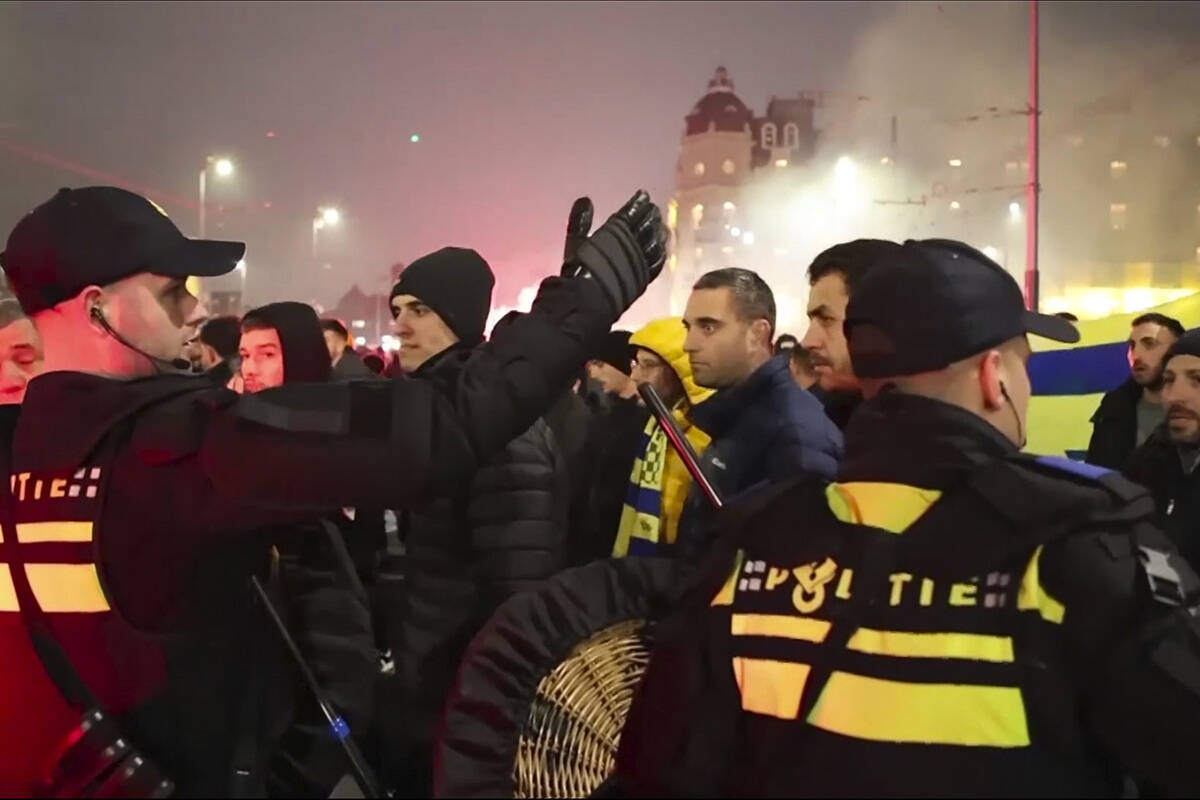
{"points": [[305, 355], [665, 337]]}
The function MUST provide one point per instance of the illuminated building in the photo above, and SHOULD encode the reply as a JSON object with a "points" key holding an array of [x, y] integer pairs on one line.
{"points": [[1120, 201]]}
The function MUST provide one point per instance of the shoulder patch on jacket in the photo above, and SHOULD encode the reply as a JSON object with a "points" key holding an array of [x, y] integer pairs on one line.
{"points": [[1080, 468], [1082, 474]]}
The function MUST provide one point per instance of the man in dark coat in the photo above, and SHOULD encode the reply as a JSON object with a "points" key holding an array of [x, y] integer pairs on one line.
{"points": [[764, 427], [502, 531], [1130, 413], [615, 424], [1166, 463], [347, 365], [218, 348], [832, 278]]}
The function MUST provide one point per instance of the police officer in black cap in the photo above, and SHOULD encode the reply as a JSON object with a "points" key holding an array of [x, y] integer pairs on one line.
{"points": [[951, 616], [138, 492]]}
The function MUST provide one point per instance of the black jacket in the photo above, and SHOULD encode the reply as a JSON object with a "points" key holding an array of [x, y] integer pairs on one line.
{"points": [[839, 405], [613, 428], [351, 367], [765, 430], [1049, 552], [327, 610], [500, 532], [196, 477], [573, 423], [1114, 431], [1158, 465]]}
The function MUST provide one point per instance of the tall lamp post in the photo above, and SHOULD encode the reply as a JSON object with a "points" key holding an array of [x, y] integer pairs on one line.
{"points": [[241, 268], [224, 168], [328, 216], [1032, 277]]}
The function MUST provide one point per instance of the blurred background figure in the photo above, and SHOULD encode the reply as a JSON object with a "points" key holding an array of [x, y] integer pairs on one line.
{"points": [[347, 364], [21, 355], [217, 346], [372, 363], [785, 342], [612, 365], [801, 366]]}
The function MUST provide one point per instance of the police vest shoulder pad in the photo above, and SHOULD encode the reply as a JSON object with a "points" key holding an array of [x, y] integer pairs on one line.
{"points": [[1014, 505], [172, 429], [1113, 496]]}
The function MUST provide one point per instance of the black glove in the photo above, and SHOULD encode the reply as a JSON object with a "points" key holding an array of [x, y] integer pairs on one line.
{"points": [[625, 254], [579, 224]]}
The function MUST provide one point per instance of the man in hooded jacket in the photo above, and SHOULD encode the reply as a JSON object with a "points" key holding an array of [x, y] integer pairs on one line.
{"points": [[326, 604]]}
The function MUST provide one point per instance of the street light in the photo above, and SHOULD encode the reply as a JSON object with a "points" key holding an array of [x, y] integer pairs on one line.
{"points": [[241, 268], [330, 217], [1014, 211], [224, 168]]}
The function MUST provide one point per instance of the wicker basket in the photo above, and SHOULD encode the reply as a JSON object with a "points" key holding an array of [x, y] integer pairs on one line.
{"points": [[568, 745], [543, 690]]}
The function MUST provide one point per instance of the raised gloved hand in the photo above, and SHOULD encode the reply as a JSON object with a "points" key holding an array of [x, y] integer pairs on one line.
{"points": [[624, 254], [579, 224]]}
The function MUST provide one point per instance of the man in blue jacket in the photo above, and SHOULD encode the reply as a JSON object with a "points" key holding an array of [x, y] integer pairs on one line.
{"points": [[764, 427]]}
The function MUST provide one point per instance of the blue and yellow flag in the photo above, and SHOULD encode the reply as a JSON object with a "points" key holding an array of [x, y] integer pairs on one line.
{"points": [[1069, 380]]}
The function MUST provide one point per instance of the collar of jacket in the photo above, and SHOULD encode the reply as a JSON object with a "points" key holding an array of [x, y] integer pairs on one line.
{"points": [[1184, 456], [444, 368], [1124, 397], [716, 415], [903, 438]]}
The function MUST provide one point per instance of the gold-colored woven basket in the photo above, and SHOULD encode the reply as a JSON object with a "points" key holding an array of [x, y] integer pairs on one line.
{"points": [[568, 745]]}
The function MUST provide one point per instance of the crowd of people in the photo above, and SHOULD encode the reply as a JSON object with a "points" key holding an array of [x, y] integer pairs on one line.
{"points": [[1031, 632]]}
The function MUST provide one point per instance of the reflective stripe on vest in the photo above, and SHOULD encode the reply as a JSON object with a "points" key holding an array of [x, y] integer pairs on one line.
{"points": [[63, 580], [952, 679]]}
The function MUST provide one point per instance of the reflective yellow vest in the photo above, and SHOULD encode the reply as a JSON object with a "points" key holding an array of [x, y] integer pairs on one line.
{"points": [[55, 518], [933, 663]]}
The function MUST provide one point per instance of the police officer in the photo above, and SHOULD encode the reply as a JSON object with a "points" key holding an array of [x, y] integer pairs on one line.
{"points": [[138, 494], [951, 617]]}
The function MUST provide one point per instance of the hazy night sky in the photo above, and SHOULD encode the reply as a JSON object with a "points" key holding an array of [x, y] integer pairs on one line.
{"points": [[520, 107]]}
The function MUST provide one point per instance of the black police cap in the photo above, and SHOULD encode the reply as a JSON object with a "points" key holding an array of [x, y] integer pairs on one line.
{"points": [[935, 302], [96, 236]]}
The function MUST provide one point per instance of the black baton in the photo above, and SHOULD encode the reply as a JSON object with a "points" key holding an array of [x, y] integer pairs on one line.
{"points": [[682, 446], [363, 775]]}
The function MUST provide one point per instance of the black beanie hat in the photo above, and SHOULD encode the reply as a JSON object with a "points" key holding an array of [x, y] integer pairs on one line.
{"points": [[1186, 345], [615, 350], [305, 356], [457, 284]]}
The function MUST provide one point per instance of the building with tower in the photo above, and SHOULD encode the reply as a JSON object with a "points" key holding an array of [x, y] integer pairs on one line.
{"points": [[1120, 212], [725, 149]]}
